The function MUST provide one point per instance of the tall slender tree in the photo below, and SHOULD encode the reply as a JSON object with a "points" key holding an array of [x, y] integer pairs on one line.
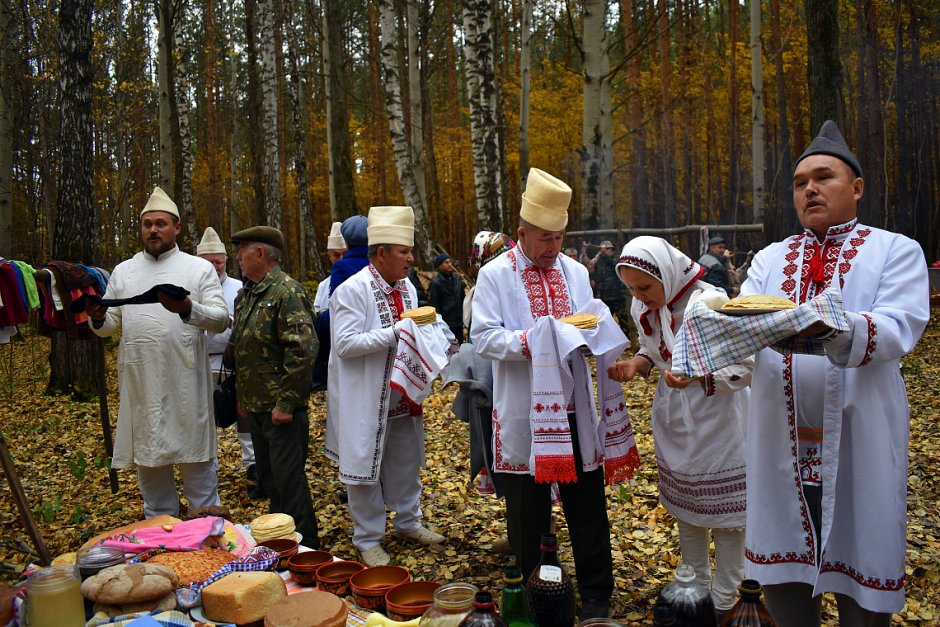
{"points": [[339, 142], [824, 67], [757, 113], [269, 107], [597, 152], [6, 134]]}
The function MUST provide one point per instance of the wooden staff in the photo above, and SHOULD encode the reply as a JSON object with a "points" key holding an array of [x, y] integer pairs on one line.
{"points": [[19, 496], [105, 419]]}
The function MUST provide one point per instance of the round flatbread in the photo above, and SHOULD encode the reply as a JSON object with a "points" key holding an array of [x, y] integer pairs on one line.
{"points": [[581, 320], [272, 526], [421, 315], [764, 302]]}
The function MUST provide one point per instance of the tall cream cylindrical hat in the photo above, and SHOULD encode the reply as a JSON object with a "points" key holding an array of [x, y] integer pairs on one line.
{"points": [[159, 201], [210, 243], [392, 225], [335, 241], [545, 201]]}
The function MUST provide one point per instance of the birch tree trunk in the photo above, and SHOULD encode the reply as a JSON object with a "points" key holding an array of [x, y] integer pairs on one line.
{"points": [[668, 167], [481, 94], [6, 139], [339, 142], [269, 106], [415, 101], [758, 186], [169, 120], [596, 130], [525, 74], [255, 130], [638, 182], [184, 161], [233, 138], [214, 196], [377, 100], [396, 124]]}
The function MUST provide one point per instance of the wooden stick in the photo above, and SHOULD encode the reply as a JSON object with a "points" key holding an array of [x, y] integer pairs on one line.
{"points": [[105, 419], [19, 496]]}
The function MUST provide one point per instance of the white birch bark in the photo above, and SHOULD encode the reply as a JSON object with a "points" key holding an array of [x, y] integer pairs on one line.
{"points": [[757, 114], [396, 124], [525, 72], [481, 93], [596, 129], [164, 11], [269, 104], [415, 102], [186, 205]]}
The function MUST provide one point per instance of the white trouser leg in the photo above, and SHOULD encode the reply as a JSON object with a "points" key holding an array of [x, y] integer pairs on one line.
{"points": [[200, 483], [401, 479], [158, 489], [367, 510], [693, 544], [729, 566], [248, 449]]}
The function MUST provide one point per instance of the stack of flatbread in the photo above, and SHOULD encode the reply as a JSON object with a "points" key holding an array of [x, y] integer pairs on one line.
{"points": [[272, 526], [193, 566], [763, 302], [581, 320], [421, 315]]}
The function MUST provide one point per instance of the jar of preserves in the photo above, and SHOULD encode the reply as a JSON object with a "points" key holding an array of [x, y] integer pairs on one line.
{"points": [[54, 598], [452, 603], [96, 558]]}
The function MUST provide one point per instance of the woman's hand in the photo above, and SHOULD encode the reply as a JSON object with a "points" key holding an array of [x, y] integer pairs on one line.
{"points": [[679, 382], [626, 370]]}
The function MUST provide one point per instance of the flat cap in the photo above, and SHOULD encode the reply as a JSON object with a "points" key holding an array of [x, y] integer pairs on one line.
{"points": [[718, 239], [262, 235]]}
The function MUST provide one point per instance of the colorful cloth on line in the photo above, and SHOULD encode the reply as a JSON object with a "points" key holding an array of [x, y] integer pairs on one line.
{"points": [[188, 535], [710, 340]]}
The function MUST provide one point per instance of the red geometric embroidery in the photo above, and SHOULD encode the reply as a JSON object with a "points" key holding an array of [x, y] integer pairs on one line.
{"points": [[546, 291], [644, 265], [872, 344], [888, 585], [498, 462]]}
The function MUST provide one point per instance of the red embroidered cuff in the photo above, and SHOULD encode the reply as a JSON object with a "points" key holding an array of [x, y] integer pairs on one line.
{"points": [[525, 345]]}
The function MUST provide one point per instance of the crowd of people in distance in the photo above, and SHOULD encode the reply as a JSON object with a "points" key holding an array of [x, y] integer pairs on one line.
{"points": [[791, 464]]}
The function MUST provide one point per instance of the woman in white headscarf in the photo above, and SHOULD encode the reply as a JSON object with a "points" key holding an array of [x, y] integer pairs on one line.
{"points": [[698, 424]]}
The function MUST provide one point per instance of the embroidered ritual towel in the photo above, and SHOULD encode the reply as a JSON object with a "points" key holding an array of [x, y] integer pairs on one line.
{"points": [[421, 355], [710, 340], [556, 378]]}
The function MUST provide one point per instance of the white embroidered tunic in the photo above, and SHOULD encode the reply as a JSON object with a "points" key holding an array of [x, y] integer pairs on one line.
{"points": [[861, 409]]}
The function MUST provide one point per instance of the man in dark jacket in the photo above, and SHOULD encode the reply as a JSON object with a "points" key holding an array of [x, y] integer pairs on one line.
{"points": [[716, 271], [447, 292]]}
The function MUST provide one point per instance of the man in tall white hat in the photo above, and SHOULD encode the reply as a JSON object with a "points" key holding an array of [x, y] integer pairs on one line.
{"points": [[513, 291], [165, 416], [372, 432], [335, 247], [213, 250]]}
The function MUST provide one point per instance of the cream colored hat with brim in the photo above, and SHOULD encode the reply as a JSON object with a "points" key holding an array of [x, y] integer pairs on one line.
{"points": [[210, 243], [335, 241], [159, 201], [545, 201], [392, 225]]}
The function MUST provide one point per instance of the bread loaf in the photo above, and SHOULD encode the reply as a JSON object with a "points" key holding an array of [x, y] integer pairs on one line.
{"points": [[307, 609], [129, 583], [166, 602], [242, 597]]}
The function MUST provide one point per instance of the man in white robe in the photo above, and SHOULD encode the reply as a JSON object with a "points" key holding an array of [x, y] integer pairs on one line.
{"points": [[212, 249], [374, 434], [335, 247], [531, 281], [165, 416], [828, 435]]}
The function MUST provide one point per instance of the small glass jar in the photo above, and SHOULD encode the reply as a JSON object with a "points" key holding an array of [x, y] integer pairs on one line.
{"points": [[600, 622], [452, 602], [96, 558], [54, 598]]}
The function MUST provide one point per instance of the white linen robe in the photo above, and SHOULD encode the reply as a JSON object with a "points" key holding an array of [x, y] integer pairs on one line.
{"points": [[501, 319], [165, 381], [218, 341], [359, 397], [865, 421]]}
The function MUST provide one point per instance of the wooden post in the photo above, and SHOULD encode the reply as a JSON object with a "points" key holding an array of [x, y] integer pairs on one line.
{"points": [[105, 419], [19, 496]]}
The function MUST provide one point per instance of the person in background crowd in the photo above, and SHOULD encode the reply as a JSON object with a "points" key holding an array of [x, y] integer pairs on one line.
{"points": [[447, 294], [607, 286], [716, 264], [165, 415], [275, 348], [423, 300], [335, 248], [572, 252], [698, 424], [213, 250], [828, 434], [374, 434]]}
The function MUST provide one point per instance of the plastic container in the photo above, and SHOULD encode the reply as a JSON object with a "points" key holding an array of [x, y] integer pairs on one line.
{"points": [[484, 613], [54, 598], [691, 603], [749, 611], [452, 603]]}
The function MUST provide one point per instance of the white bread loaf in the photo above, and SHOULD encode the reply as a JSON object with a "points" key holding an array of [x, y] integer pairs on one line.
{"points": [[242, 597]]}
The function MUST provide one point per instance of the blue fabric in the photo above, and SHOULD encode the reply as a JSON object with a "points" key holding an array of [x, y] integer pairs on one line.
{"points": [[97, 276], [355, 231], [20, 285], [354, 260], [441, 259]]}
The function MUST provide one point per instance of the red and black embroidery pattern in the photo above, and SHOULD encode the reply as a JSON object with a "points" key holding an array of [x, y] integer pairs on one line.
{"points": [[498, 460], [872, 343], [546, 291], [644, 265], [887, 585]]}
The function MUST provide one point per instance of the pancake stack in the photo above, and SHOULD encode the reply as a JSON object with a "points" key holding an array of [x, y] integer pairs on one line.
{"points": [[421, 315], [762, 302], [272, 526], [581, 321]]}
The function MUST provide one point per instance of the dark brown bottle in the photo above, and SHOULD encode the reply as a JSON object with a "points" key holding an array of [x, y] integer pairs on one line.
{"points": [[749, 611], [484, 613], [550, 591], [690, 601]]}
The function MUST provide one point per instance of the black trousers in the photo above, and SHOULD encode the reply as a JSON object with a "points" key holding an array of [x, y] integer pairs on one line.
{"points": [[280, 455], [529, 510]]}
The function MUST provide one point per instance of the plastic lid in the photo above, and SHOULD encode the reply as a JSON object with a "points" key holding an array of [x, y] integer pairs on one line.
{"points": [[100, 555], [483, 600], [685, 573], [750, 586], [512, 574], [549, 541]]}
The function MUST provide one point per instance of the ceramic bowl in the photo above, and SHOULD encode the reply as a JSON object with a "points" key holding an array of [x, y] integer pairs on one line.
{"points": [[410, 599], [334, 576], [285, 549], [370, 585], [303, 566]]}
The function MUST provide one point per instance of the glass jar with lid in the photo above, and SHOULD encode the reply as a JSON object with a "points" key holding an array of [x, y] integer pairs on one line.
{"points": [[452, 602], [96, 558], [54, 598]]}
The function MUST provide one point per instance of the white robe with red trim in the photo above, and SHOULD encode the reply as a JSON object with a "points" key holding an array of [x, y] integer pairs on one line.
{"points": [[864, 417]]}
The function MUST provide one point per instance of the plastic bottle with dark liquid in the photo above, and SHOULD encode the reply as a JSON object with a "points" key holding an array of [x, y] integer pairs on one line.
{"points": [[691, 603], [549, 590], [484, 613], [749, 611]]}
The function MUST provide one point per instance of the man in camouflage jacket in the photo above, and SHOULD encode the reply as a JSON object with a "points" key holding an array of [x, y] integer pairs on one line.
{"points": [[275, 348]]}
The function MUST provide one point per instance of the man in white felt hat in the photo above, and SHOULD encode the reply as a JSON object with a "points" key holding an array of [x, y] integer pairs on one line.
{"points": [[335, 248], [372, 432], [514, 290], [212, 249], [165, 416]]}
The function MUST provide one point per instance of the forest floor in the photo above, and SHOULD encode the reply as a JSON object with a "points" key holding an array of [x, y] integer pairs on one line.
{"points": [[57, 447]]}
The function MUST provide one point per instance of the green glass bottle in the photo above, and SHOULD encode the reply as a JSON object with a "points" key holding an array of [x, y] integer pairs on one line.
{"points": [[513, 605]]}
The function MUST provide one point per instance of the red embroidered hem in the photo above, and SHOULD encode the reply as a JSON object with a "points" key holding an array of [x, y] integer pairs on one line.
{"points": [[551, 468], [622, 468]]}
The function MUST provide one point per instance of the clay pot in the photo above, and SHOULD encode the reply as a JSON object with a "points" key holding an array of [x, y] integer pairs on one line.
{"points": [[370, 585], [334, 576], [410, 599], [303, 566], [285, 549]]}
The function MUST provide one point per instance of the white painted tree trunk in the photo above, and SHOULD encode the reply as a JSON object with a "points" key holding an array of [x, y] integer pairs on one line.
{"points": [[525, 72], [481, 93], [396, 124], [596, 129], [269, 103], [758, 186]]}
